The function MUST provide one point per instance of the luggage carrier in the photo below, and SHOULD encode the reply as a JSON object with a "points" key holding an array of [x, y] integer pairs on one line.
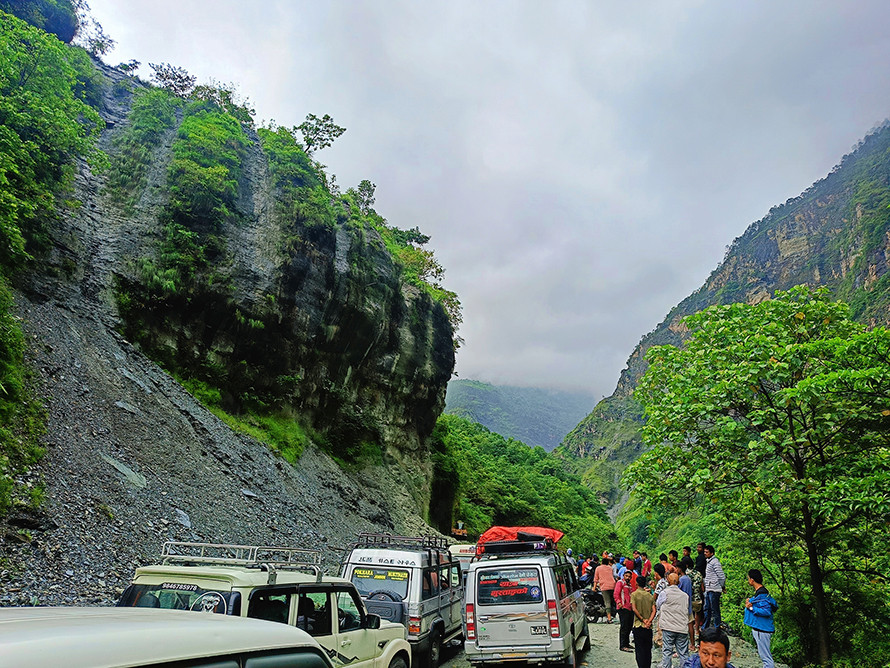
{"points": [[385, 540], [265, 558]]}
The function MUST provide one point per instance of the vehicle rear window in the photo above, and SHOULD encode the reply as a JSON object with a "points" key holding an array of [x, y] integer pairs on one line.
{"points": [[180, 596], [370, 580], [503, 586]]}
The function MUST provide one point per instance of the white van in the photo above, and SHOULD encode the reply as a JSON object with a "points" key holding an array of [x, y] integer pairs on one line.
{"points": [[411, 580], [523, 604]]}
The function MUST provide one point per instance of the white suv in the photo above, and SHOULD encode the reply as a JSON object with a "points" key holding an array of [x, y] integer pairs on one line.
{"points": [[411, 580], [139, 638], [524, 604], [276, 584]]}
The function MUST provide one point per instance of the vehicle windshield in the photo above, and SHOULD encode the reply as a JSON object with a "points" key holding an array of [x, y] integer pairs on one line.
{"points": [[509, 585], [181, 596], [371, 580]]}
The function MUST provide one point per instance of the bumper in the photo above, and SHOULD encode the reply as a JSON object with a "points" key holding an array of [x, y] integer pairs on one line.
{"points": [[558, 651]]}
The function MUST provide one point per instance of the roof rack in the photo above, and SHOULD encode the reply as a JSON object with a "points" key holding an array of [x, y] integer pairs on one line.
{"points": [[270, 559], [516, 548], [410, 542]]}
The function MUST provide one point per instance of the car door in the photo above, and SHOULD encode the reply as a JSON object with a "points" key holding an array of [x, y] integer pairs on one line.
{"points": [[356, 644]]}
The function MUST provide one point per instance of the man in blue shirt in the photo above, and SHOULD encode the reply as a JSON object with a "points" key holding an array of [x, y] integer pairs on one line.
{"points": [[759, 611]]}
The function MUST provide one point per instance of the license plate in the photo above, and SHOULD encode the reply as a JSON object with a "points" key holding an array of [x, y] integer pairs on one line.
{"points": [[539, 630]]}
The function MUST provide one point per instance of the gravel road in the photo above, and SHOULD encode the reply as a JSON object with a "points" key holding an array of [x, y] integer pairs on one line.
{"points": [[604, 652]]}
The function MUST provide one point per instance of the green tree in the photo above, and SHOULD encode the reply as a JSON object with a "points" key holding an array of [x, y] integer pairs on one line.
{"points": [[318, 132], [177, 80], [44, 125], [778, 414]]}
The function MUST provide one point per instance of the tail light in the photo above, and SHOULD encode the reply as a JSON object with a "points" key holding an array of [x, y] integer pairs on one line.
{"points": [[414, 626], [471, 622], [554, 619]]}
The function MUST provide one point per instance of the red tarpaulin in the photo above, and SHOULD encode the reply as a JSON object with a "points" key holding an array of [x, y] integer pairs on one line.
{"points": [[512, 533]]}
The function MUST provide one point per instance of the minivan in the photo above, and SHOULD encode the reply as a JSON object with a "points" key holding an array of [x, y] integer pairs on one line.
{"points": [[523, 604]]}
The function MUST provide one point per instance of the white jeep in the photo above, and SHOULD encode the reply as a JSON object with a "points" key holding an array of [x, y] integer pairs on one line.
{"points": [[276, 584], [414, 581]]}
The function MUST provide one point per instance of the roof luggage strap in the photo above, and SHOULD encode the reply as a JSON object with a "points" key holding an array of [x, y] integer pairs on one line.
{"points": [[271, 559], [525, 548]]}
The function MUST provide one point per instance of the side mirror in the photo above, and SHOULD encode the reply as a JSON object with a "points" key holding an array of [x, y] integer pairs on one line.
{"points": [[372, 621]]}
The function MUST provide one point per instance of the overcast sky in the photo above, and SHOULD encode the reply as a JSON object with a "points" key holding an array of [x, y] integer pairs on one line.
{"points": [[580, 166]]}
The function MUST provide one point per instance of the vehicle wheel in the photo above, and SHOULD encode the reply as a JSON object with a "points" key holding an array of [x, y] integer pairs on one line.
{"points": [[432, 660], [384, 595], [572, 660], [398, 662]]}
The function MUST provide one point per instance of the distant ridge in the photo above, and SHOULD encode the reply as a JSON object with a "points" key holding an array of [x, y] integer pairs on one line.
{"points": [[535, 416]]}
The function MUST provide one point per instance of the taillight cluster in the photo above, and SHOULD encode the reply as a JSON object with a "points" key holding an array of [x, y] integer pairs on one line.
{"points": [[554, 619], [414, 626], [471, 622]]}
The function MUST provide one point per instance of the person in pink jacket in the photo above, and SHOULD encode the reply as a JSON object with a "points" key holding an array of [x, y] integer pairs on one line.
{"points": [[604, 581]]}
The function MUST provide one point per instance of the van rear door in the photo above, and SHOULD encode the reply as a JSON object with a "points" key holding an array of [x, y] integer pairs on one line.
{"points": [[511, 608]]}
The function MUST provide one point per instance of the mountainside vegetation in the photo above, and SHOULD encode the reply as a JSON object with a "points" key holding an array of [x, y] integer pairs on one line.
{"points": [[686, 489], [485, 479], [532, 415]]}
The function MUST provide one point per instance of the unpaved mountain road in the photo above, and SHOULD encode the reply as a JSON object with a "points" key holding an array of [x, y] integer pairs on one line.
{"points": [[604, 652]]}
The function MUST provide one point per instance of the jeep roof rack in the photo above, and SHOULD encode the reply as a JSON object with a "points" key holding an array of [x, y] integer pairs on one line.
{"points": [[516, 548], [270, 559], [408, 542]]}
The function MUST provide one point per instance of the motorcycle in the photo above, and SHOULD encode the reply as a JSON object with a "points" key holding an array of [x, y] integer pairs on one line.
{"points": [[594, 605]]}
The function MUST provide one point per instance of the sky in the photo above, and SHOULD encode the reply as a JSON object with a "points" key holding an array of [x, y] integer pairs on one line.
{"points": [[580, 166]]}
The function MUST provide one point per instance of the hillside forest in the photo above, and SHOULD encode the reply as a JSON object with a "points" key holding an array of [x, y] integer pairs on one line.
{"points": [[766, 417]]}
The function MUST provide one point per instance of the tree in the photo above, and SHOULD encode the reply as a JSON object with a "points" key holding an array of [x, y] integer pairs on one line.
{"points": [[318, 132], [778, 414], [365, 196], [175, 79]]}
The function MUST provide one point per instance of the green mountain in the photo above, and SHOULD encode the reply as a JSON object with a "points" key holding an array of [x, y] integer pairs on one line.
{"points": [[836, 233], [532, 415]]}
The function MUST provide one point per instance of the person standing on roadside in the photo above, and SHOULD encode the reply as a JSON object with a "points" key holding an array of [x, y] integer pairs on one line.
{"points": [[713, 651], [668, 566], [604, 581], [715, 585], [697, 600], [759, 611], [646, 569], [685, 585], [643, 605], [673, 619], [660, 585], [625, 612], [701, 560]]}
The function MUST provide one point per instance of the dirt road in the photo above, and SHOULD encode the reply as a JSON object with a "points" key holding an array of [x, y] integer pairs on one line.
{"points": [[604, 652]]}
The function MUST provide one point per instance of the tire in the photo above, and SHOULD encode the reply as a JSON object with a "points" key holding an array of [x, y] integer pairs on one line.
{"points": [[398, 662], [572, 660], [435, 653], [384, 595]]}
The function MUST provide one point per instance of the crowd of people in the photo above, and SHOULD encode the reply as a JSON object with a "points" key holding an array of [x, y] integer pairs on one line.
{"points": [[674, 605]]}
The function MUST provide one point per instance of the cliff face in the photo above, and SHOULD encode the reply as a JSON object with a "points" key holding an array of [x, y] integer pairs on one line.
{"points": [[836, 234], [284, 314]]}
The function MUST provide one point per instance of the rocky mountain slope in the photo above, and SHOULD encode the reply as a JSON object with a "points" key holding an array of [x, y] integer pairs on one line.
{"points": [[836, 234], [312, 321]]}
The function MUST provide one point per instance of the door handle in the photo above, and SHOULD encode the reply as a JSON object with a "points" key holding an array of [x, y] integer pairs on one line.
{"points": [[345, 643]]}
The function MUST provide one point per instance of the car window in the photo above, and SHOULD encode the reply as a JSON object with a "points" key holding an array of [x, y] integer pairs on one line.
{"points": [[455, 575], [272, 605], [181, 596], [313, 613], [349, 616], [370, 580], [430, 586], [561, 587], [304, 659], [445, 577], [500, 586]]}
